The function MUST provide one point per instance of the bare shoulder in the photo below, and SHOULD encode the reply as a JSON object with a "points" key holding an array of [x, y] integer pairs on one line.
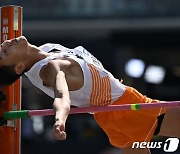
{"points": [[55, 66], [48, 72], [71, 69]]}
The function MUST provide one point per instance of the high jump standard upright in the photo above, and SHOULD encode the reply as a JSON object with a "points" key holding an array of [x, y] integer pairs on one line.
{"points": [[10, 27]]}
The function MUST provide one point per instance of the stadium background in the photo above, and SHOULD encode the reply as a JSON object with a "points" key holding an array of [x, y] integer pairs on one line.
{"points": [[125, 35]]}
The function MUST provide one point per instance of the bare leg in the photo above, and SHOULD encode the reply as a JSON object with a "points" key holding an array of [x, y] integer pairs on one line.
{"points": [[171, 123]]}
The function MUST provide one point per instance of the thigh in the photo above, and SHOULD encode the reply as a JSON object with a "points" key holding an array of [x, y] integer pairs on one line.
{"points": [[171, 123]]}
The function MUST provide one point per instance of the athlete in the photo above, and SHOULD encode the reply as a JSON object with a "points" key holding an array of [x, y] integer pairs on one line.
{"points": [[75, 77]]}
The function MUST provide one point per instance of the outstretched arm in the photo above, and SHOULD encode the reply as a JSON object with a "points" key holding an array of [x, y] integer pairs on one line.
{"points": [[53, 75], [61, 106]]}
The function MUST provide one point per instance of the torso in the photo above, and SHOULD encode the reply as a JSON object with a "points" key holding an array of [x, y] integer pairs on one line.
{"points": [[88, 82]]}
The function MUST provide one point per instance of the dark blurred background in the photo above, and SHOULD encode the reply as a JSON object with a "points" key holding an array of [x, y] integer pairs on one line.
{"points": [[137, 40]]}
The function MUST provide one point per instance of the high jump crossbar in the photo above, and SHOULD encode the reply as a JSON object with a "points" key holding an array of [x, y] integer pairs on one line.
{"points": [[46, 112]]}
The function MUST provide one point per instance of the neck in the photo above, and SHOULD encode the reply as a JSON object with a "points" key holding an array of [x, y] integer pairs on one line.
{"points": [[34, 55]]}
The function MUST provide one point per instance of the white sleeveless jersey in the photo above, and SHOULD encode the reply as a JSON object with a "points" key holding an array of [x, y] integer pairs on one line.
{"points": [[100, 87]]}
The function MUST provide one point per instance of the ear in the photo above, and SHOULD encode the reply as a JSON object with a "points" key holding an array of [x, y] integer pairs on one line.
{"points": [[19, 68]]}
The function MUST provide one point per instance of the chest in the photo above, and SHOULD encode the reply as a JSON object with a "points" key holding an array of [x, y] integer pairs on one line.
{"points": [[73, 74]]}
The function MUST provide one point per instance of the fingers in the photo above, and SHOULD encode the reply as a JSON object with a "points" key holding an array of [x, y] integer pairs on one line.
{"points": [[59, 136], [59, 132]]}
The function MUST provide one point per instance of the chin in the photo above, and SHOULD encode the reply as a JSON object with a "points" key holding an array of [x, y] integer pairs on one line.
{"points": [[22, 38]]}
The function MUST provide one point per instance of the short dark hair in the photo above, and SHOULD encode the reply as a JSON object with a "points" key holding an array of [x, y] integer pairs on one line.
{"points": [[8, 75]]}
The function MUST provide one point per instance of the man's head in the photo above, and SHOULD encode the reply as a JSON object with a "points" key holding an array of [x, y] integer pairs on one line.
{"points": [[12, 56]]}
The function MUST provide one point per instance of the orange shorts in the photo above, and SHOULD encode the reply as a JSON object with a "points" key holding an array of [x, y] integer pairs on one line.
{"points": [[125, 127]]}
